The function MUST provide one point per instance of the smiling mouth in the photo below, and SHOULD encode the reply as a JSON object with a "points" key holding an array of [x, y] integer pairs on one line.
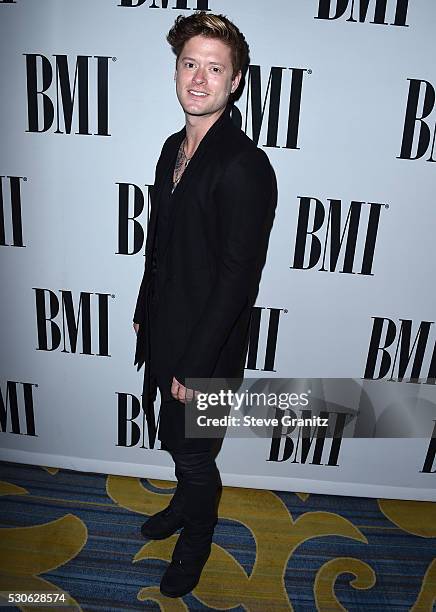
{"points": [[197, 94]]}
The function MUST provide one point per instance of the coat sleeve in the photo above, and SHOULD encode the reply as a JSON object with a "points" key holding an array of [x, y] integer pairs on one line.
{"points": [[246, 198]]}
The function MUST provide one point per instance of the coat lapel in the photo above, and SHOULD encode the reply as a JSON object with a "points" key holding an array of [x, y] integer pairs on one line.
{"points": [[157, 191], [205, 146]]}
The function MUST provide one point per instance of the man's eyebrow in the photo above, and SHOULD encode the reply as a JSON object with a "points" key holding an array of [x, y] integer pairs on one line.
{"points": [[194, 60]]}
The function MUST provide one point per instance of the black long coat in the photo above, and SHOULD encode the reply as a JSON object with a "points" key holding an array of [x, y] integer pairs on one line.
{"points": [[210, 262]]}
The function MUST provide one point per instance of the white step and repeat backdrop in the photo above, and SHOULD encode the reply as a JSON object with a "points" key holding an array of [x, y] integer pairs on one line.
{"points": [[341, 96]]}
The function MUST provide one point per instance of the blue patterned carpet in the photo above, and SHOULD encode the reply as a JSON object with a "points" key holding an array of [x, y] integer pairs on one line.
{"points": [[80, 533]]}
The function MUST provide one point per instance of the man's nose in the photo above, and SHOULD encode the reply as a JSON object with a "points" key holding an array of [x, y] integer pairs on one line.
{"points": [[200, 75]]}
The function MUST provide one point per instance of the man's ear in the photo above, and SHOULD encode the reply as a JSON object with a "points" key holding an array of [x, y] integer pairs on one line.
{"points": [[236, 81]]}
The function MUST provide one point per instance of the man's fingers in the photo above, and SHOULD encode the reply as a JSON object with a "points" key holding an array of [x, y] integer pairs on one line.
{"points": [[175, 388], [181, 393]]}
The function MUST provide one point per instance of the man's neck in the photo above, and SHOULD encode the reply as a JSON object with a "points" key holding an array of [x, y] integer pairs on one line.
{"points": [[196, 128]]}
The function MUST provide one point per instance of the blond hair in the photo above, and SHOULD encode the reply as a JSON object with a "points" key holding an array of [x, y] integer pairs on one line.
{"points": [[211, 26]]}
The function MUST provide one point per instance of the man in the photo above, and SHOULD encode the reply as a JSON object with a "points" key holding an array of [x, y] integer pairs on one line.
{"points": [[212, 208]]}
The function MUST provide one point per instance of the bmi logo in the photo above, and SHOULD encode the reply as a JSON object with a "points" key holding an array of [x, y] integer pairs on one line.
{"points": [[310, 440], [419, 129], [401, 351], [60, 318], [133, 423], [359, 10], [283, 89], [130, 197], [60, 87], [17, 413], [180, 5], [11, 221], [324, 239]]}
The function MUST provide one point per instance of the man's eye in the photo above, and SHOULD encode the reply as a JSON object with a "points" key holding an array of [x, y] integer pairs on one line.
{"points": [[216, 69]]}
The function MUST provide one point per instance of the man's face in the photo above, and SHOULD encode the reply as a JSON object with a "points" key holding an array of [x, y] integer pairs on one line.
{"points": [[204, 66]]}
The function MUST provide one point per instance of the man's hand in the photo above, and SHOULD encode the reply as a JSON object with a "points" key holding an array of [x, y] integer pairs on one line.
{"points": [[181, 393], [136, 327]]}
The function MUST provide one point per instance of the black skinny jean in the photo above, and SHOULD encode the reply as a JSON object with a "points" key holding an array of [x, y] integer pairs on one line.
{"points": [[197, 498]]}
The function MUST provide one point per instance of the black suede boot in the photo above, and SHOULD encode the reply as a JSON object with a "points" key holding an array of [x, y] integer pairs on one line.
{"points": [[182, 576], [188, 560], [166, 522], [162, 524]]}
